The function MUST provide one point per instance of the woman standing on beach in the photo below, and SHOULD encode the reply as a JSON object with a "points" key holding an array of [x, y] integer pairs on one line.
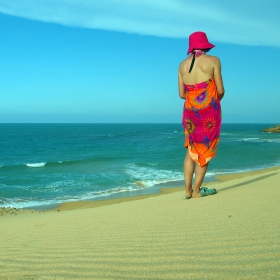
{"points": [[201, 85]]}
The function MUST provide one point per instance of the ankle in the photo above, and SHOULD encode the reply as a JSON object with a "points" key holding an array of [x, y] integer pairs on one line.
{"points": [[196, 190]]}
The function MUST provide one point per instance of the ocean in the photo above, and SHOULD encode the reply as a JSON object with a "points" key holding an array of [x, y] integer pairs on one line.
{"points": [[48, 164]]}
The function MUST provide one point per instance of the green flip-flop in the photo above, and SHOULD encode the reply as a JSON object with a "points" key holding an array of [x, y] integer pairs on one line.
{"points": [[205, 191], [185, 197]]}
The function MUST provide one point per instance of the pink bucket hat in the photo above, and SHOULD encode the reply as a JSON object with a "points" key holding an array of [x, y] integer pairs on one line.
{"points": [[199, 40]]}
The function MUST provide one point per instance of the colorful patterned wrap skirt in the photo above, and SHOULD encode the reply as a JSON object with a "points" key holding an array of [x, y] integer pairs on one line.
{"points": [[202, 121]]}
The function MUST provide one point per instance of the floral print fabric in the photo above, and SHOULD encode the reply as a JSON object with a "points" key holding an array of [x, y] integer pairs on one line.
{"points": [[202, 121]]}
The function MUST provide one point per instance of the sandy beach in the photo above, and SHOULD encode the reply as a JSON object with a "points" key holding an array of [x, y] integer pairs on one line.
{"points": [[231, 235]]}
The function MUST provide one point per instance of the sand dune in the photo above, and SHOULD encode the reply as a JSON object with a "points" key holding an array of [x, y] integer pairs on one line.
{"points": [[232, 235]]}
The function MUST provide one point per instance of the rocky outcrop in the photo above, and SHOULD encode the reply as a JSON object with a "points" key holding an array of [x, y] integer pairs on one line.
{"points": [[274, 129]]}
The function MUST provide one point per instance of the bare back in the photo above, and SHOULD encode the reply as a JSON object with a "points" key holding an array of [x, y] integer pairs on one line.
{"points": [[205, 67]]}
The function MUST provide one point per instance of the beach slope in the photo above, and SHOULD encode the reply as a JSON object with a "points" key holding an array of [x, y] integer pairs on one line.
{"points": [[233, 234]]}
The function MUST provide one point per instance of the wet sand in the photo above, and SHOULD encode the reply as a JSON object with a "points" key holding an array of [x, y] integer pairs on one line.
{"points": [[233, 234]]}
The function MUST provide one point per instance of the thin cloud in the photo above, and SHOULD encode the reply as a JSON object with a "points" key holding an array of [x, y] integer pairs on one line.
{"points": [[237, 22]]}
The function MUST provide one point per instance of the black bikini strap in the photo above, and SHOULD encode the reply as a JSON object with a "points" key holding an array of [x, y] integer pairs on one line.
{"points": [[191, 67]]}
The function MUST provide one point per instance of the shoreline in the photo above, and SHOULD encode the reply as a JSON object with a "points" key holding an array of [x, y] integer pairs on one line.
{"points": [[158, 190], [162, 191]]}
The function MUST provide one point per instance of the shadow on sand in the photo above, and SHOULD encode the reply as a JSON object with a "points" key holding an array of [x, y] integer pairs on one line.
{"points": [[247, 182]]}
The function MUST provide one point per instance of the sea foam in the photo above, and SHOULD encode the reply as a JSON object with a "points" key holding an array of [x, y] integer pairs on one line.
{"points": [[34, 165], [149, 177]]}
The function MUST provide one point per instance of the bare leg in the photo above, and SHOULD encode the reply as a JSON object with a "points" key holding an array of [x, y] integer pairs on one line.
{"points": [[188, 174], [199, 176]]}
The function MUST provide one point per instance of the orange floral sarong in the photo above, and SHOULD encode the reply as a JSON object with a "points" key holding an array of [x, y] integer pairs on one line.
{"points": [[202, 121]]}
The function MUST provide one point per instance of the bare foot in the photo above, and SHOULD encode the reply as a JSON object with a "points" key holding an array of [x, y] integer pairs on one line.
{"points": [[189, 193], [196, 194], [203, 192]]}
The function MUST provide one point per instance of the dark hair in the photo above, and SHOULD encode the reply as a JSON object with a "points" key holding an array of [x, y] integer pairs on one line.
{"points": [[205, 50]]}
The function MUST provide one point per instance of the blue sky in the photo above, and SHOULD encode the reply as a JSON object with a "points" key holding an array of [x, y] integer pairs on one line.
{"points": [[117, 61]]}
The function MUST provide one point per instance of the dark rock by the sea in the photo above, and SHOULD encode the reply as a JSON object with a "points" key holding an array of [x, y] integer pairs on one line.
{"points": [[274, 129]]}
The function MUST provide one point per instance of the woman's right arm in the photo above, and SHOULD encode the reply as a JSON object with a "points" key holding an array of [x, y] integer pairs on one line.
{"points": [[181, 88], [218, 78]]}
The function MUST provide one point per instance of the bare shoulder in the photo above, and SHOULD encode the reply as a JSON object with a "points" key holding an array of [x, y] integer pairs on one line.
{"points": [[214, 59], [184, 64]]}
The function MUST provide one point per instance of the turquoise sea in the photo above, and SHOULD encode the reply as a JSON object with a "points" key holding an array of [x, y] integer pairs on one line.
{"points": [[47, 164]]}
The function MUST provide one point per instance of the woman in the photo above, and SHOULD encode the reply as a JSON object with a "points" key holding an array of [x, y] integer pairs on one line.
{"points": [[201, 85]]}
